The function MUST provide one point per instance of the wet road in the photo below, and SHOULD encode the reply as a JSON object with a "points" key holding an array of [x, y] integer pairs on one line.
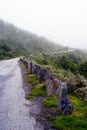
{"points": [[14, 115]]}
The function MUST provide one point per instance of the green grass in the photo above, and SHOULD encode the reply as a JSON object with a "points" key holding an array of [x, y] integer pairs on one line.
{"points": [[77, 120], [37, 91], [70, 123], [80, 107], [50, 101], [32, 79]]}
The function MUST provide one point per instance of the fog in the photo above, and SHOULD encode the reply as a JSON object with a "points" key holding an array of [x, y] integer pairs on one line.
{"points": [[62, 21]]}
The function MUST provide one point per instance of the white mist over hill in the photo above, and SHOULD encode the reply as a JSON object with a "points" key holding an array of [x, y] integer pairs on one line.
{"points": [[63, 21]]}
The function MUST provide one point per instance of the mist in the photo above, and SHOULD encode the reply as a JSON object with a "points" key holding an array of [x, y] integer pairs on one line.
{"points": [[64, 22]]}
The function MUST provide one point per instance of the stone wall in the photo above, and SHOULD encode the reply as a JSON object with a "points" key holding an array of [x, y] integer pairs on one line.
{"points": [[53, 85]]}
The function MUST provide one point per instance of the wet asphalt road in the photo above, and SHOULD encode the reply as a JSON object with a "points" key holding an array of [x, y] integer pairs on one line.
{"points": [[14, 115]]}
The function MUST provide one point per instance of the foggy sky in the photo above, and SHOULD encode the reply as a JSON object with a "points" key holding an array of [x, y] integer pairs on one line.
{"points": [[63, 21]]}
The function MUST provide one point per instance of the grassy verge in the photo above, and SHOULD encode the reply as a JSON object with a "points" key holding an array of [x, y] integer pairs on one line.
{"points": [[50, 101], [32, 79], [70, 123], [76, 121], [37, 89]]}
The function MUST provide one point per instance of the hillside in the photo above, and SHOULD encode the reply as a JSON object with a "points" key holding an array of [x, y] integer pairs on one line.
{"points": [[67, 64], [15, 42]]}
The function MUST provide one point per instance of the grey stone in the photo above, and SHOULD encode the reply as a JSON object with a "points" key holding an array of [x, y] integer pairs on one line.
{"points": [[31, 66], [64, 104], [56, 84], [49, 85]]}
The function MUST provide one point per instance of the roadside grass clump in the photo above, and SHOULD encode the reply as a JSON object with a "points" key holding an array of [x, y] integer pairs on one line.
{"points": [[50, 101], [37, 91], [32, 79], [70, 123]]}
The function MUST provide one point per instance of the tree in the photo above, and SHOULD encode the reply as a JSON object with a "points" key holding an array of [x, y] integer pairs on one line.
{"points": [[83, 69]]}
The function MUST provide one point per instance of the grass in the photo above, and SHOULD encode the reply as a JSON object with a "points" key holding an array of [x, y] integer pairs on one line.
{"points": [[37, 88], [50, 101], [70, 123], [37, 91], [79, 106], [77, 120], [32, 79]]}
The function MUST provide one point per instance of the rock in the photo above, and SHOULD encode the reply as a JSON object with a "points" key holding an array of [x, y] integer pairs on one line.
{"points": [[64, 104], [42, 74], [49, 85], [53, 85], [31, 66], [56, 84]]}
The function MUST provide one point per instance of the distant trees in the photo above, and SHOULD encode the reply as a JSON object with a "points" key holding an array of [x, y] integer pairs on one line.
{"points": [[6, 47], [65, 63], [83, 69]]}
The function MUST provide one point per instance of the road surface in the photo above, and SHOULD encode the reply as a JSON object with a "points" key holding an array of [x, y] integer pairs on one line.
{"points": [[14, 115]]}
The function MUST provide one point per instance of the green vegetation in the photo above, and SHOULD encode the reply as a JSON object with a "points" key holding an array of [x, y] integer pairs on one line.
{"points": [[37, 89], [70, 123], [79, 106], [69, 70], [32, 79], [64, 67], [77, 120], [83, 69], [71, 67], [7, 50], [16, 42], [50, 101]]}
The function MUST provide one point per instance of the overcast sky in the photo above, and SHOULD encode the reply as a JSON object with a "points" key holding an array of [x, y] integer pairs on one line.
{"points": [[63, 21]]}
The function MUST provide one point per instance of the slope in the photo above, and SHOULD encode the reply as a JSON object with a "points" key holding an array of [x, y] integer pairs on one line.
{"points": [[21, 42]]}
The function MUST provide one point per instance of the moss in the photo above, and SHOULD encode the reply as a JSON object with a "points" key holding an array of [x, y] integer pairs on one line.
{"points": [[77, 120], [70, 123], [50, 101], [79, 106], [37, 91], [32, 78]]}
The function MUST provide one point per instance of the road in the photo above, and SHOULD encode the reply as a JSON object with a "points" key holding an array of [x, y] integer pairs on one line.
{"points": [[14, 115]]}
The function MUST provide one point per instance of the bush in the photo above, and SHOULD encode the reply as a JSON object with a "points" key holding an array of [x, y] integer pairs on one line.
{"points": [[75, 82], [82, 93]]}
